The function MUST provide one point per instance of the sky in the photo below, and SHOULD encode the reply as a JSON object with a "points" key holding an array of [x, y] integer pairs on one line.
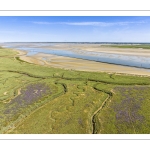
{"points": [[74, 29]]}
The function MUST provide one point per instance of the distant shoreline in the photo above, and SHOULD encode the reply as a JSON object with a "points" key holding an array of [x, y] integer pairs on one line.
{"points": [[65, 62], [87, 42]]}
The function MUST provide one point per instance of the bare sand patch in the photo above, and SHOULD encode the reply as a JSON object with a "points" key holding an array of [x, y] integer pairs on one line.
{"points": [[20, 52], [5, 93], [99, 48], [121, 51], [32, 60], [82, 65]]}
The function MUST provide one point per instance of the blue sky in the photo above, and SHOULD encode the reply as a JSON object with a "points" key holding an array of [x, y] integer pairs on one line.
{"points": [[74, 29]]}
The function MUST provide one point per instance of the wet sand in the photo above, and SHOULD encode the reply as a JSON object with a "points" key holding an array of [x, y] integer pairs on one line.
{"points": [[85, 65], [80, 64], [100, 48]]}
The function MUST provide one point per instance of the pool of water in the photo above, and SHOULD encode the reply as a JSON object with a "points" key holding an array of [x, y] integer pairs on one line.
{"points": [[127, 60]]}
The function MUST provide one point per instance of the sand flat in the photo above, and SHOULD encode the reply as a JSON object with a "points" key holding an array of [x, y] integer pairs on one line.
{"points": [[85, 65], [82, 65], [99, 48]]}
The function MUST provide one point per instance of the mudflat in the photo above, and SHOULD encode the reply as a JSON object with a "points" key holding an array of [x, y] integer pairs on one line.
{"points": [[99, 48], [86, 65], [80, 64]]}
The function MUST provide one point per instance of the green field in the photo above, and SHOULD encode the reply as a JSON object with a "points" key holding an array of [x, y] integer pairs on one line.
{"points": [[142, 46], [38, 99]]}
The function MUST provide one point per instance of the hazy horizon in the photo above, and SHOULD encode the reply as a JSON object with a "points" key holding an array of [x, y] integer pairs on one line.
{"points": [[84, 42]]}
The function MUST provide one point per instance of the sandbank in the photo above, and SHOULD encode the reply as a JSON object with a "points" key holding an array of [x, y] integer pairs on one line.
{"points": [[82, 65], [99, 48]]}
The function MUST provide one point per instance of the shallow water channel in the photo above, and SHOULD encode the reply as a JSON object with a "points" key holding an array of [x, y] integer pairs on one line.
{"points": [[119, 59]]}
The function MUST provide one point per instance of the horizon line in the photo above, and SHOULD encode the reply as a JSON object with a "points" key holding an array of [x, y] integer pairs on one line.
{"points": [[74, 42]]}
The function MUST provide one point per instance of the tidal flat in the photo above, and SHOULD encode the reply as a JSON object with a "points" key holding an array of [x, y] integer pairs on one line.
{"points": [[128, 58], [49, 94]]}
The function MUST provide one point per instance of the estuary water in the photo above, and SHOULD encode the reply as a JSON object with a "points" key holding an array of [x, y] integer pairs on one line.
{"points": [[119, 59]]}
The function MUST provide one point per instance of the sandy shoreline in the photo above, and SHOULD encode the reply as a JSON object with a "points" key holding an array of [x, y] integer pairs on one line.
{"points": [[85, 65], [81, 65], [99, 48]]}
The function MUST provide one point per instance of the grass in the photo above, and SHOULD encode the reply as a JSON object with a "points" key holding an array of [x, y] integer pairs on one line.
{"points": [[38, 99], [126, 113], [69, 113], [7, 52], [142, 46]]}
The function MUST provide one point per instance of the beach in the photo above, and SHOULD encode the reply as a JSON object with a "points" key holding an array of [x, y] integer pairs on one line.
{"points": [[99, 48], [69, 63]]}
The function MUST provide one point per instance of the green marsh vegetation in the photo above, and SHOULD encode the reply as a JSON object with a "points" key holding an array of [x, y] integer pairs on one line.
{"points": [[140, 46], [38, 99]]}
